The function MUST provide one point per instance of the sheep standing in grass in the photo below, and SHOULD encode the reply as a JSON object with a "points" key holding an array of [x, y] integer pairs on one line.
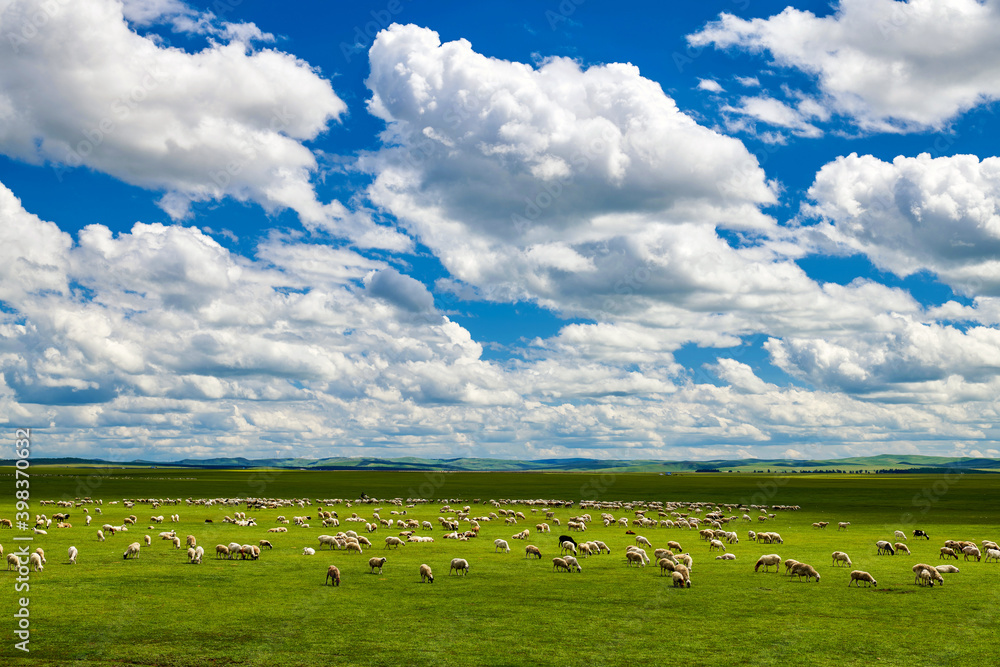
{"points": [[234, 550], [902, 548], [885, 547], [41, 554], [767, 560], [715, 545], [132, 550], [199, 553], [531, 550], [841, 557], [147, 539], [686, 560], [679, 580], [100, 535], [191, 541], [35, 561], [459, 565], [567, 546], [332, 573], [900, 535], [221, 550], [72, 555], [972, 551], [666, 565], [946, 552], [426, 574], [993, 554], [685, 572], [393, 541], [265, 543], [177, 542], [634, 557], [190, 554], [640, 540], [572, 563], [803, 569], [843, 526], [499, 545], [560, 564], [12, 562], [925, 574], [376, 563], [857, 576]]}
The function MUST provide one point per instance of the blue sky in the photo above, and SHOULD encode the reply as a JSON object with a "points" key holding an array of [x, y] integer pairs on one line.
{"points": [[516, 230]]}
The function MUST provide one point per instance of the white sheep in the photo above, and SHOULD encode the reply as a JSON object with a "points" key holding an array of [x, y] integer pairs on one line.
{"points": [[679, 580], [35, 561], [715, 545], [900, 535], [132, 550], [72, 555], [767, 560], [885, 547], [199, 553], [374, 562], [459, 565], [572, 563], [426, 574], [393, 541], [925, 574], [971, 551], [177, 542], [726, 557], [994, 554], [499, 544], [946, 569], [566, 546], [800, 569], [634, 557], [221, 550], [12, 562], [100, 535], [857, 576], [640, 540], [841, 557], [308, 551]]}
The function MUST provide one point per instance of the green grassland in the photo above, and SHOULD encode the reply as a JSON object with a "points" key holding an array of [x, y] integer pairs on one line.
{"points": [[159, 610]]}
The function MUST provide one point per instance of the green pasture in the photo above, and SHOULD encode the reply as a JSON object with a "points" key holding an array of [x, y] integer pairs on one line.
{"points": [[159, 610]]}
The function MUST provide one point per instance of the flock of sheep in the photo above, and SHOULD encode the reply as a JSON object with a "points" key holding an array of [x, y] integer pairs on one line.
{"points": [[714, 528]]}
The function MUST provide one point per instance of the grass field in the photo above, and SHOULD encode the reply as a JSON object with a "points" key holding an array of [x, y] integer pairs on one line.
{"points": [[159, 610]]}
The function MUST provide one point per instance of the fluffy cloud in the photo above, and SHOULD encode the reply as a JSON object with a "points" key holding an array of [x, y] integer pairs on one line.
{"points": [[914, 214], [79, 88], [890, 66]]}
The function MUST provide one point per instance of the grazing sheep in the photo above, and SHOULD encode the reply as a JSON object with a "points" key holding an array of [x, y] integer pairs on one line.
{"points": [[393, 541], [12, 562], [567, 546], [41, 554], [332, 573], [147, 539], [859, 576], [376, 562], [900, 535], [234, 550], [221, 550], [994, 554], [947, 569], [35, 561], [100, 535], [679, 580], [666, 565], [789, 564], [972, 551], [885, 547], [459, 565], [767, 560], [902, 548], [947, 551], [426, 574], [841, 557], [265, 543], [199, 553], [191, 541], [674, 546], [308, 551], [532, 550], [72, 555], [715, 545], [809, 571], [560, 564], [566, 538], [177, 542], [500, 544], [686, 560], [683, 571], [634, 557], [639, 539], [572, 563], [925, 574], [920, 533], [132, 550], [726, 557]]}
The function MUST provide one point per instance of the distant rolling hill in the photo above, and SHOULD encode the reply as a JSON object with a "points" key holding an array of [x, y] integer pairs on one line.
{"points": [[884, 462]]}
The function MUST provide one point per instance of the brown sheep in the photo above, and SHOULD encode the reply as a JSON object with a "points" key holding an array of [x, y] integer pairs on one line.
{"points": [[332, 573]]}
